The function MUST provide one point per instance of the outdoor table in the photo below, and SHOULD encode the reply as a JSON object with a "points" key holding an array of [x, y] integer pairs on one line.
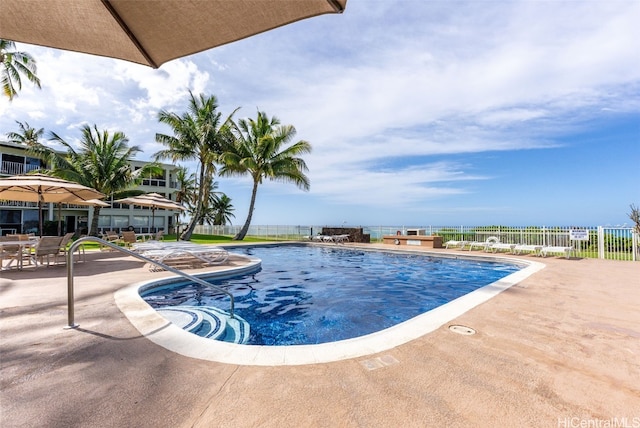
{"points": [[22, 245], [146, 236]]}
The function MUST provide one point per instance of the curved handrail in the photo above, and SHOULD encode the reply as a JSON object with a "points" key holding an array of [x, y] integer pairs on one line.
{"points": [[76, 244]]}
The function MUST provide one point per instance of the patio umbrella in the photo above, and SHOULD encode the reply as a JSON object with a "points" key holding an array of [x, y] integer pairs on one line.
{"points": [[153, 201], [149, 32], [42, 188]]}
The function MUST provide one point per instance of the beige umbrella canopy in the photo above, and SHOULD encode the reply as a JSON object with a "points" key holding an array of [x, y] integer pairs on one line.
{"points": [[42, 188], [149, 32], [153, 201]]}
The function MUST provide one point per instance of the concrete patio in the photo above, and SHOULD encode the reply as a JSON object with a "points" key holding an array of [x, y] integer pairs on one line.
{"points": [[560, 348]]}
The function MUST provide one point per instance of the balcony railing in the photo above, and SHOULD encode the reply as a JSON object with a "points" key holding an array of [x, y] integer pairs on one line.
{"points": [[15, 204], [16, 168]]}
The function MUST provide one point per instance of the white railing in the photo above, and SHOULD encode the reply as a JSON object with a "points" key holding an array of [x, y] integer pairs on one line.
{"points": [[605, 242], [16, 168], [15, 204]]}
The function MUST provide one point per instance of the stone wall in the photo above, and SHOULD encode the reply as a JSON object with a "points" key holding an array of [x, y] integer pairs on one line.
{"points": [[355, 233]]}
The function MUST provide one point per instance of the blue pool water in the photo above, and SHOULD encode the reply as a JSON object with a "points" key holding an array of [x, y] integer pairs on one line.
{"points": [[310, 295]]}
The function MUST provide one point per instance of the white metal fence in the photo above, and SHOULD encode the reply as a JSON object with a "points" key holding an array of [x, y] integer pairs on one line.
{"points": [[605, 242]]}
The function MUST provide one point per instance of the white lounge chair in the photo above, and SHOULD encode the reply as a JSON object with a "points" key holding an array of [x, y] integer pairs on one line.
{"points": [[181, 254], [456, 244], [340, 239], [525, 248], [483, 245], [495, 246], [551, 249]]}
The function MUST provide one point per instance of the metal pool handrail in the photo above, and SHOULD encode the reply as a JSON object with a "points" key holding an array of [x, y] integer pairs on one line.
{"points": [[76, 244]]}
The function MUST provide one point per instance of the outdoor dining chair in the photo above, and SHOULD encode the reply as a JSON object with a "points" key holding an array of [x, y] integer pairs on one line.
{"points": [[129, 238], [47, 246], [64, 244]]}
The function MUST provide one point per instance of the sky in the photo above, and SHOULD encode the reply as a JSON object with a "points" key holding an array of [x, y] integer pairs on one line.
{"points": [[420, 113]]}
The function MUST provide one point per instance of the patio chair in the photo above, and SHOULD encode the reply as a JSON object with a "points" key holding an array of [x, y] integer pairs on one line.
{"points": [[182, 254], [14, 253], [18, 237], [66, 239], [340, 239], [209, 254], [483, 244], [495, 246], [47, 246], [112, 237], [10, 253], [159, 235], [526, 248], [128, 238], [551, 249], [455, 244]]}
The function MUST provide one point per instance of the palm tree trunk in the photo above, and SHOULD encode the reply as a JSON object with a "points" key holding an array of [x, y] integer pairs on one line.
{"points": [[93, 230], [186, 235], [243, 232]]}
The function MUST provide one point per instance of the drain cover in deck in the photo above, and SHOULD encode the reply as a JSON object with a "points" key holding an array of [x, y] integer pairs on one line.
{"points": [[461, 329]]}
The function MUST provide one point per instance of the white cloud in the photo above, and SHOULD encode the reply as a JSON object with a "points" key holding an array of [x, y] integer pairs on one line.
{"points": [[165, 87]]}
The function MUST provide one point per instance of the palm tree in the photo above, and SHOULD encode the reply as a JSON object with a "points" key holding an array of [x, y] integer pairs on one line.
{"points": [[186, 184], [208, 206], [634, 215], [217, 210], [223, 211], [102, 162], [186, 194], [27, 136], [198, 135], [259, 151], [13, 65]]}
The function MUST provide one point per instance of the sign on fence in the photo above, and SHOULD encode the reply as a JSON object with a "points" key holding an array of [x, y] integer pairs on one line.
{"points": [[579, 235]]}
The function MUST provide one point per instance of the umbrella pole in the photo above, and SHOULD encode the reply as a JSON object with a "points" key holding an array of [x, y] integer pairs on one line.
{"points": [[40, 214], [59, 218]]}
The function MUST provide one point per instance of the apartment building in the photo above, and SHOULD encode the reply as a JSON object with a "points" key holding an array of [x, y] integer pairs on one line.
{"points": [[22, 217]]}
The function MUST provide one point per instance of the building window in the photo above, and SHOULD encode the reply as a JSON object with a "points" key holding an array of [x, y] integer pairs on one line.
{"points": [[140, 221], [104, 221]]}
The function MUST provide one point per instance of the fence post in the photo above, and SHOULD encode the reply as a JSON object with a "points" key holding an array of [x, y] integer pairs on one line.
{"points": [[600, 242]]}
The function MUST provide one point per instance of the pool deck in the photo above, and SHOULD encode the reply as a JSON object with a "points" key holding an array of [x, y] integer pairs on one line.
{"points": [[560, 349]]}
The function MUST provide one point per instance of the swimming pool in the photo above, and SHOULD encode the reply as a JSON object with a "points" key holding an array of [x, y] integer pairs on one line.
{"points": [[311, 295], [158, 330]]}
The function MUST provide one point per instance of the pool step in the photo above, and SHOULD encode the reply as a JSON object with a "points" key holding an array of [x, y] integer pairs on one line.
{"points": [[209, 322]]}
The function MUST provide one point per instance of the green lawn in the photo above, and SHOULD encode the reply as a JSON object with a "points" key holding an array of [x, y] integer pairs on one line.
{"points": [[217, 239], [195, 238]]}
